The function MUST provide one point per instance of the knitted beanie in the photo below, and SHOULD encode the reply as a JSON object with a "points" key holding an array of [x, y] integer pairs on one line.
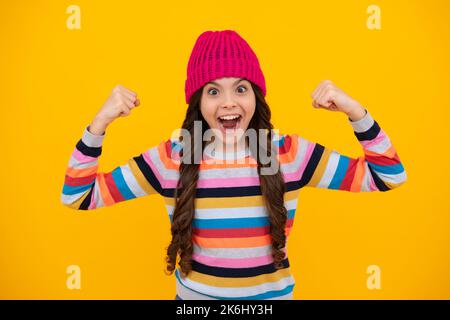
{"points": [[218, 54]]}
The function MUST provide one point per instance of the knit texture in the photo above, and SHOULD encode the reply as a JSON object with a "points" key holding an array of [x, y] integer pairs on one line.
{"points": [[218, 54], [232, 242]]}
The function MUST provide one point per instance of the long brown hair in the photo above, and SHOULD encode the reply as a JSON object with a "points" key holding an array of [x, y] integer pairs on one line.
{"points": [[272, 188]]}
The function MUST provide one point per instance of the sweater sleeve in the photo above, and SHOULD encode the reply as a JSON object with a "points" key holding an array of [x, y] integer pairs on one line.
{"points": [[85, 188], [378, 169]]}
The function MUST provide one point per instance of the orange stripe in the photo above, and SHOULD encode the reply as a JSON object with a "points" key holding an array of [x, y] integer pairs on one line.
{"points": [[390, 152], [172, 164], [169, 163], [290, 155], [359, 175], [75, 173], [287, 231], [104, 192], [232, 242], [282, 159], [235, 242]]}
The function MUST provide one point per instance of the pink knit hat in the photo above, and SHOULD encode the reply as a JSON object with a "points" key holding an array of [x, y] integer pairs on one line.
{"points": [[218, 54]]}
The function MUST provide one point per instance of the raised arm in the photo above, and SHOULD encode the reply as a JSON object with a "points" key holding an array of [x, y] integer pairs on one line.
{"points": [[85, 188], [378, 169]]}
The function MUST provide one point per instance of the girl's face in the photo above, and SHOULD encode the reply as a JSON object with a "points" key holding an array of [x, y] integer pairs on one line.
{"points": [[227, 105]]}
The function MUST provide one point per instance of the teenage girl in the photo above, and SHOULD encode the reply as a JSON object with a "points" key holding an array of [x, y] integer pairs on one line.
{"points": [[230, 221]]}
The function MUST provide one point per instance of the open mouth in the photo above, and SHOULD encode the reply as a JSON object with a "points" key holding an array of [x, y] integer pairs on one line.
{"points": [[229, 122]]}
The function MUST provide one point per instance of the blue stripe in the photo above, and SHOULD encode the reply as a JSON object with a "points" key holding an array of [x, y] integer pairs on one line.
{"points": [[121, 184], [269, 294], [281, 141], [262, 296], [340, 172], [176, 146], [69, 190], [389, 169], [236, 222]]}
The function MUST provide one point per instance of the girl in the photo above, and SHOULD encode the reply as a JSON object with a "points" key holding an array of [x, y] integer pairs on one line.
{"points": [[230, 220]]}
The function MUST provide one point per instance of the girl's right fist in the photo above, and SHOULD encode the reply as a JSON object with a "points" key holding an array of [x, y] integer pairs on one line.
{"points": [[119, 104]]}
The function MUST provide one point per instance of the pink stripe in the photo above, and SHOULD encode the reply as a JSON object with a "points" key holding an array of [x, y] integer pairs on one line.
{"points": [[209, 183], [294, 176], [81, 158], [233, 262], [228, 182], [377, 140], [218, 182]]}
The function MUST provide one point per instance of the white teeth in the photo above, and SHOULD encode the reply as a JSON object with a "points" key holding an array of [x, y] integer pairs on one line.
{"points": [[229, 117]]}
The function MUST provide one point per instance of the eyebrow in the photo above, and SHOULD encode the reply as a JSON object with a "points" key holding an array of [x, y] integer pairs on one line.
{"points": [[236, 82]]}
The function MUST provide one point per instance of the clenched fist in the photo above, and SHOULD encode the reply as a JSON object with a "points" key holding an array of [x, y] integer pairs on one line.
{"points": [[119, 104], [328, 96]]}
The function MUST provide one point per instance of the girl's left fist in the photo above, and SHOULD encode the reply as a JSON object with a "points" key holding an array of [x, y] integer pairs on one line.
{"points": [[328, 96]]}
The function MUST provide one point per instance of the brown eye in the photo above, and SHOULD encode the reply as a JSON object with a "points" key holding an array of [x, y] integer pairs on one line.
{"points": [[211, 89], [243, 87]]}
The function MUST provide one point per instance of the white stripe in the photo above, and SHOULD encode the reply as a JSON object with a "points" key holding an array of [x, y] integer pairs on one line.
{"points": [[97, 195], [166, 174], [332, 164], [363, 124], [186, 294], [234, 252], [74, 163], [239, 212], [69, 199], [392, 178], [237, 292], [381, 147], [131, 181], [92, 140], [245, 172], [291, 204], [172, 174], [365, 184], [299, 157]]}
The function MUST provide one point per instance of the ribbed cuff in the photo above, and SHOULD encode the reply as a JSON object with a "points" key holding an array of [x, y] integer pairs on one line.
{"points": [[363, 124], [92, 140]]}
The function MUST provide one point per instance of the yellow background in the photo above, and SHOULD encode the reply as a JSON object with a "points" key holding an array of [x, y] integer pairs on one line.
{"points": [[53, 81]]}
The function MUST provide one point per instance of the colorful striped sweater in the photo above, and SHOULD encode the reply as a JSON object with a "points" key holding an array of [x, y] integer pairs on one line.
{"points": [[232, 243]]}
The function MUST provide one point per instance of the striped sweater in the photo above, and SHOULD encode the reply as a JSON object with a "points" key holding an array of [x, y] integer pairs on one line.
{"points": [[231, 236]]}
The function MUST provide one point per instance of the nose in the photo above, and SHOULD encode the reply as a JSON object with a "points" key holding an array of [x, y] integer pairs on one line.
{"points": [[228, 106], [229, 101]]}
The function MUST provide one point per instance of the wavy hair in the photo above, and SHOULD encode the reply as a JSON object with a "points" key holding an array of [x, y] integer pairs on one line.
{"points": [[272, 188]]}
